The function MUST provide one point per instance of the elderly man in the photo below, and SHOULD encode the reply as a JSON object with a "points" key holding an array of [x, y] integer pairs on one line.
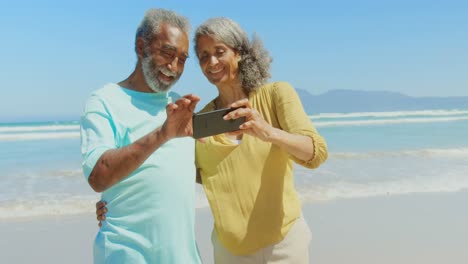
{"points": [[137, 151]]}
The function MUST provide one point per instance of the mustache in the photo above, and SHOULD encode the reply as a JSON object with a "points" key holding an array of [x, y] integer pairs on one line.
{"points": [[167, 72]]}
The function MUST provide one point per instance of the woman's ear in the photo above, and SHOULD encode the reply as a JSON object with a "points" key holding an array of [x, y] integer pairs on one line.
{"points": [[238, 55]]}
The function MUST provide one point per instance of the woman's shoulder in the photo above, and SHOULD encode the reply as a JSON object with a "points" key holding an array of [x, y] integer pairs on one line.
{"points": [[273, 88], [208, 107]]}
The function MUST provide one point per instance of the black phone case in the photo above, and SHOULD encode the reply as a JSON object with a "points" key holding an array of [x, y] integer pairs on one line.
{"points": [[212, 123]]}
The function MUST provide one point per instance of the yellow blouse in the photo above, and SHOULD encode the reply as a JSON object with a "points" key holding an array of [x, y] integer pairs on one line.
{"points": [[250, 185]]}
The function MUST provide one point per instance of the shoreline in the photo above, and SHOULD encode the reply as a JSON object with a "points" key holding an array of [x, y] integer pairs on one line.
{"points": [[413, 228]]}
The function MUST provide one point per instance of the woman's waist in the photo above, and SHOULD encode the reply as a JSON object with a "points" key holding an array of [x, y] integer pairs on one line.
{"points": [[246, 235]]}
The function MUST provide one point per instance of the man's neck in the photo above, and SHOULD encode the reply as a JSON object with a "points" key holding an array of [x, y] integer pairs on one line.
{"points": [[136, 81]]}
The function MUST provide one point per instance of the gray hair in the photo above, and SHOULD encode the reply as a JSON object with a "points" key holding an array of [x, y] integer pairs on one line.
{"points": [[254, 66], [154, 18]]}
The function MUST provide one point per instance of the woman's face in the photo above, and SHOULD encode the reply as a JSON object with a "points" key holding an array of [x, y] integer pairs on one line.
{"points": [[218, 61]]}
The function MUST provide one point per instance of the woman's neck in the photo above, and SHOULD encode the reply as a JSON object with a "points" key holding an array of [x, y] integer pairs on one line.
{"points": [[228, 95]]}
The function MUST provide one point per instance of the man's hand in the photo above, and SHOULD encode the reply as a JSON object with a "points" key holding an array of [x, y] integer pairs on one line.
{"points": [[179, 117]]}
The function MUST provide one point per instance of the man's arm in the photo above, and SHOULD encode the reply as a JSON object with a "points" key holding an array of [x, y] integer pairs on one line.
{"points": [[116, 164]]}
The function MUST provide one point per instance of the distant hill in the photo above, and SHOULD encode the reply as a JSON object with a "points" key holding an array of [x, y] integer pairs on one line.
{"points": [[345, 101]]}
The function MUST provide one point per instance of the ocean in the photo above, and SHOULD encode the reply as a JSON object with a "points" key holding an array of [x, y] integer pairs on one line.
{"points": [[370, 154]]}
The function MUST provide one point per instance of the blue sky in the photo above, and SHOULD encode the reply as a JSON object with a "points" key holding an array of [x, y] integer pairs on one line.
{"points": [[54, 53]]}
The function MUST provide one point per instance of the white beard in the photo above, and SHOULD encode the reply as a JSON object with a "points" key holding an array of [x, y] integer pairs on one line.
{"points": [[150, 73]]}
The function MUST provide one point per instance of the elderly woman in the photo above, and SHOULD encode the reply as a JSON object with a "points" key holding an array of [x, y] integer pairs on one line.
{"points": [[248, 175]]}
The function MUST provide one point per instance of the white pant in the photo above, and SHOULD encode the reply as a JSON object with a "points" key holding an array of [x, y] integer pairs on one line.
{"points": [[293, 249]]}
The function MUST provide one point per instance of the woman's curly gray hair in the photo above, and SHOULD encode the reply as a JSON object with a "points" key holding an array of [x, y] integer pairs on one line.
{"points": [[254, 66]]}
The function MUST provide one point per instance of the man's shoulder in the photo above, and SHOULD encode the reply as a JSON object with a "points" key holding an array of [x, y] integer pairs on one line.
{"points": [[98, 98], [107, 89]]}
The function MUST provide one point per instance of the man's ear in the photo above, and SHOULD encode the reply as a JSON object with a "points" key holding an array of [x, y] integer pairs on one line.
{"points": [[140, 48]]}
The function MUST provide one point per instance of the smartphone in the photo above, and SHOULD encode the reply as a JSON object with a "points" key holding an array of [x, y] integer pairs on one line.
{"points": [[212, 123]]}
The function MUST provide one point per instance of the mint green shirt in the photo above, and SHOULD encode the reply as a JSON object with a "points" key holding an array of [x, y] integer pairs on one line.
{"points": [[152, 211]]}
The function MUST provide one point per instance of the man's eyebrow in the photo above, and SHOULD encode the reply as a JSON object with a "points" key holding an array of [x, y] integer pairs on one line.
{"points": [[172, 48]]}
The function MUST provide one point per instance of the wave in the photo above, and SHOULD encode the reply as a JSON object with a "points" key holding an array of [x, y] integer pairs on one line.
{"points": [[63, 173], [348, 190], [48, 207], [428, 153], [363, 175], [59, 204], [352, 174], [388, 121], [390, 114], [11, 129], [308, 194], [37, 136]]}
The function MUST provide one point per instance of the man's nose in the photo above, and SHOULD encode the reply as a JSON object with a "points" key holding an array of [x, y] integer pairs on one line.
{"points": [[173, 65]]}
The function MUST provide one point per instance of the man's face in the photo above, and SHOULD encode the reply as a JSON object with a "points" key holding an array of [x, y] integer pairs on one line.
{"points": [[164, 58]]}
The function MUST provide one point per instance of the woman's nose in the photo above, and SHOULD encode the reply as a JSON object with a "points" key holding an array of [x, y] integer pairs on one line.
{"points": [[213, 60]]}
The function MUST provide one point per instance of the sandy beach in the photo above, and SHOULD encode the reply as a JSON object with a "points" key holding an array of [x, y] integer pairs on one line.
{"points": [[414, 228]]}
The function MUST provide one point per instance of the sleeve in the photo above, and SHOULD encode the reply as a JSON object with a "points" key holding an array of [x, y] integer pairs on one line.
{"points": [[174, 96], [97, 133], [293, 119]]}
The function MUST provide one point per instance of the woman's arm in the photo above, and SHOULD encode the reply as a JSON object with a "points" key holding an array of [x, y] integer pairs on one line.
{"points": [[296, 134]]}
